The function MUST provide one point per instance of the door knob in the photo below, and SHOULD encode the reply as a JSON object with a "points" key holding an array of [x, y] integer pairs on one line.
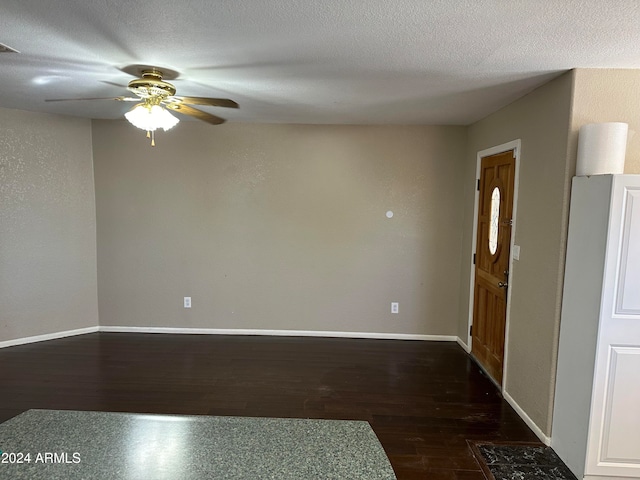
{"points": [[503, 284]]}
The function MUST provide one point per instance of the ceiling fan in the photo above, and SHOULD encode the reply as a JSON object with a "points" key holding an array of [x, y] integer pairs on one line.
{"points": [[156, 97]]}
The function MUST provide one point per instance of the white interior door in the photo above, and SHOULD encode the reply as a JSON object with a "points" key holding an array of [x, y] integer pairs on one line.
{"points": [[613, 447]]}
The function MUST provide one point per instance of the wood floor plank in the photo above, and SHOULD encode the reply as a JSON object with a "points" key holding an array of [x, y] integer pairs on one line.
{"points": [[424, 400]]}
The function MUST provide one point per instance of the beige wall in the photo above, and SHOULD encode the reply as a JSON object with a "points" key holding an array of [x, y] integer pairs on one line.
{"points": [[541, 121], [606, 95], [280, 227], [47, 225]]}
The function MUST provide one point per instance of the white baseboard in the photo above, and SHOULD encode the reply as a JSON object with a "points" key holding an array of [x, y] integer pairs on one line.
{"points": [[466, 347], [530, 423], [280, 333], [47, 336], [230, 331]]}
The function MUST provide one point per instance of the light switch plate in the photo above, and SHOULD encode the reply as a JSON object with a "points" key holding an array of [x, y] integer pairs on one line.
{"points": [[516, 252]]}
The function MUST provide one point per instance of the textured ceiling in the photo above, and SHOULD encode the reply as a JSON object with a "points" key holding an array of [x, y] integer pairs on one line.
{"points": [[306, 61]]}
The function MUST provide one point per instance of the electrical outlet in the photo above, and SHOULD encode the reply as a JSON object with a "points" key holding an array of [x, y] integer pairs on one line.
{"points": [[394, 307], [187, 302]]}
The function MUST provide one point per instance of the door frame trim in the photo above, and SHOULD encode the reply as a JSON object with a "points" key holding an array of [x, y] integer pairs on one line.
{"points": [[514, 145]]}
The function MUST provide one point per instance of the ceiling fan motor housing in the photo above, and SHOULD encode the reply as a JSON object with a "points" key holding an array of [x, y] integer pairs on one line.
{"points": [[151, 85]]}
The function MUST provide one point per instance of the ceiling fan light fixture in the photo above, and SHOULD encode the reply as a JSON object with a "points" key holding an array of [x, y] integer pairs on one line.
{"points": [[154, 94], [149, 117]]}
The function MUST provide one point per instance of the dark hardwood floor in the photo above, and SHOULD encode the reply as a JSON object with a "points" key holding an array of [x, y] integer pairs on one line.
{"points": [[424, 400]]}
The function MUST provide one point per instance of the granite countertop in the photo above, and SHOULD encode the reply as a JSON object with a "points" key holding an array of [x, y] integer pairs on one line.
{"points": [[100, 445]]}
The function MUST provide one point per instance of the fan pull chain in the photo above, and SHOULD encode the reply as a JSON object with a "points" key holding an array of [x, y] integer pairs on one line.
{"points": [[151, 135]]}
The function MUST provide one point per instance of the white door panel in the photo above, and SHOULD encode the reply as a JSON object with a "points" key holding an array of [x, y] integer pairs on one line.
{"points": [[613, 447]]}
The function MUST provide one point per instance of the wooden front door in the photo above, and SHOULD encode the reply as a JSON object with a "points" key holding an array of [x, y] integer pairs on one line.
{"points": [[495, 209]]}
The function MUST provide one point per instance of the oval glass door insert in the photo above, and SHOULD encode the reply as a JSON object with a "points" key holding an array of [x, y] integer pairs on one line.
{"points": [[494, 220]]}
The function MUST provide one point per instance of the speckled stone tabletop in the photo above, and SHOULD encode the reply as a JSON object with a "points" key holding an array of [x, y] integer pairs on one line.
{"points": [[74, 445]]}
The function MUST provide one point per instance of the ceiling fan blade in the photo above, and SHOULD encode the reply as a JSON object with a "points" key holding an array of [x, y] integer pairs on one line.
{"points": [[113, 83], [214, 102], [120, 99], [194, 112]]}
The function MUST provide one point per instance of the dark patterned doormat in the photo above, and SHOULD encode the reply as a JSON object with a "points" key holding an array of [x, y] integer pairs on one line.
{"points": [[520, 461]]}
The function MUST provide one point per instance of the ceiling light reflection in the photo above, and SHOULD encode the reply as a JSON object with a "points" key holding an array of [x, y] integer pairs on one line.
{"points": [[47, 79]]}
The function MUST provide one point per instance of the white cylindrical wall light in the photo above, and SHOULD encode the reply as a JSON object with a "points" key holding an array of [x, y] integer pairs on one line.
{"points": [[602, 148]]}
